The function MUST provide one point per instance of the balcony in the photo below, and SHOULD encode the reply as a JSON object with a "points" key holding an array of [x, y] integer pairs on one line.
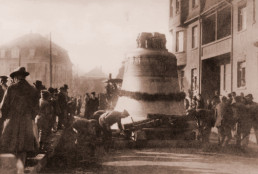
{"points": [[216, 48], [181, 58]]}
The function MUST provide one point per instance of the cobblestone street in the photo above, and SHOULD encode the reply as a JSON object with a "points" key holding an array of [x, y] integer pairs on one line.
{"points": [[172, 160], [177, 161], [179, 158]]}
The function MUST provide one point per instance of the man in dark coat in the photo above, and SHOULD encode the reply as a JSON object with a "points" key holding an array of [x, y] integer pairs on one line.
{"points": [[199, 102], [56, 108], [62, 117], [19, 108], [39, 86], [87, 106], [94, 104], [66, 92], [242, 119]]}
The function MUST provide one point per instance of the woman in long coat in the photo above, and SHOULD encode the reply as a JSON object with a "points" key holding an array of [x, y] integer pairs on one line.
{"points": [[19, 107]]}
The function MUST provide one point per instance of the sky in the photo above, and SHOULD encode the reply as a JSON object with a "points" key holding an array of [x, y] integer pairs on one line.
{"points": [[96, 33]]}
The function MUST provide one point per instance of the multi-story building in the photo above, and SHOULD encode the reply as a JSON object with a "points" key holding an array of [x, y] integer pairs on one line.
{"points": [[33, 52], [215, 42]]}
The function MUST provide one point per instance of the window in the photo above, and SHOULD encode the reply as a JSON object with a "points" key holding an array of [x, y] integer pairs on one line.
{"points": [[216, 27], [181, 75], [194, 37], [15, 53], [194, 3], [177, 6], [2, 54], [194, 79], [224, 22], [208, 29], [171, 8], [241, 66], [242, 17], [180, 41]]}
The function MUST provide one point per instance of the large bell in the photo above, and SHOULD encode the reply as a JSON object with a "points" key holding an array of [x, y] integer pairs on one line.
{"points": [[150, 82]]}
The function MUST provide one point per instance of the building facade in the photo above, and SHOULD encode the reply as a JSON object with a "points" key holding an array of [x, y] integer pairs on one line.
{"points": [[33, 52], [215, 42]]}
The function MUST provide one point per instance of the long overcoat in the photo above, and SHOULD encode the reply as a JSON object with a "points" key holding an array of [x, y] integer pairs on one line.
{"points": [[223, 114], [19, 108]]}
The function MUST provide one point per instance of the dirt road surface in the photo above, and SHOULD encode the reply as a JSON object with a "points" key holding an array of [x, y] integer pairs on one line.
{"points": [[171, 161]]}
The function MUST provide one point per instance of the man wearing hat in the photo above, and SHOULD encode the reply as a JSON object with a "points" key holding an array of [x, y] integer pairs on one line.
{"points": [[3, 86], [44, 119], [252, 111], [87, 106], [107, 119], [55, 105], [93, 104], [19, 108], [62, 102], [39, 86], [66, 92]]}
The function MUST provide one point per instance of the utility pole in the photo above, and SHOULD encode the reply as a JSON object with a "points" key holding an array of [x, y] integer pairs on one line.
{"points": [[50, 61], [20, 58]]}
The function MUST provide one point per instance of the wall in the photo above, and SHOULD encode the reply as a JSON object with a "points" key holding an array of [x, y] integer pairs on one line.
{"points": [[244, 49]]}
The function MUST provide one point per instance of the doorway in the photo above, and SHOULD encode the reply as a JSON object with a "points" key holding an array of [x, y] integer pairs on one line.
{"points": [[216, 76]]}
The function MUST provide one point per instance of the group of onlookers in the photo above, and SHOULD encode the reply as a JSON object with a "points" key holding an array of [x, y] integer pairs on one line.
{"points": [[30, 113], [233, 116], [91, 104]]}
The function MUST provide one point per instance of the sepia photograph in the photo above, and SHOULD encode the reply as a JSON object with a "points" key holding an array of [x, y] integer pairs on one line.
{"points": [[128, 87]]}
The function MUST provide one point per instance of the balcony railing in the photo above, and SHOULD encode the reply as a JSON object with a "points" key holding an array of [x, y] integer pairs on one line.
{"points": [[216, 48]]}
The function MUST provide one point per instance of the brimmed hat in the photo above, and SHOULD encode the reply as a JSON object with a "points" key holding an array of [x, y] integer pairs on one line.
{"points": [[66, 86], [38, 83], [3, 77], [45, 93], [51, 90], [61, 88], [55, 90], [19, 71], [249, 96]]}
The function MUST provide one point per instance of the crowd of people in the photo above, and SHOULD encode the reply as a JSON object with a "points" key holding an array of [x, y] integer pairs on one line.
{"points": [[233, 116], [30, 113]]}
